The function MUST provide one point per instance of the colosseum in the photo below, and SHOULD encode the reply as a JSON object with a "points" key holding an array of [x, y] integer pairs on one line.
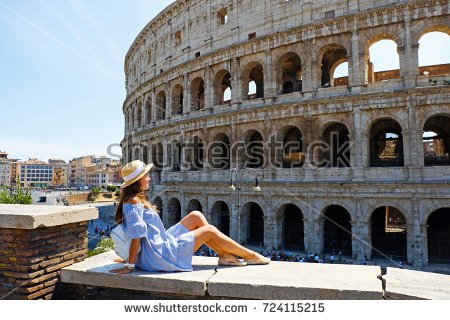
{"points": [[237, 104]]}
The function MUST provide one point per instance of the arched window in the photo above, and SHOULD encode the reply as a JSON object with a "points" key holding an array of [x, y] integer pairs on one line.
{"points": [[383, 62], [386, 144], [333, 56]]}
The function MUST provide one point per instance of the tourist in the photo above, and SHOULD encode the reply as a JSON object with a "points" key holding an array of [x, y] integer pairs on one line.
{"points": [[332, 259], [172, 249]]}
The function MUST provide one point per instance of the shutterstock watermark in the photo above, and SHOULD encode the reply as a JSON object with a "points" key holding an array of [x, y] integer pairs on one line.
{"points": [[195, 154]]}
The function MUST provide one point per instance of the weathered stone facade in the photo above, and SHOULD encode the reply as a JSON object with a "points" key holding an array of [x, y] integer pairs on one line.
{"points": [[176, 112]]}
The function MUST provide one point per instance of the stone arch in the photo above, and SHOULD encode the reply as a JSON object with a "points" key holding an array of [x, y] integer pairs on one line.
{"points": [[438, 235], [337, 229], [292, 154], [252, 223], [330, 56], [137, 153], [436, 68], [222, 82], [139, 114], [253, 71], [174, 150], [425, 214], [158, 156], [159, 204], [388, 232], [292, 226], [436, 140], [195, 153], [334, 202], [130, 153], [148, 108], [220, 152], [177, 99], [161, 105], [129, 119], [369, 68], [386, 143], [220, 216], [289, 73], [194, 204], [253, 151], [426, 28], [336, 138], [197, 94], [174, 213], [145, 154]]}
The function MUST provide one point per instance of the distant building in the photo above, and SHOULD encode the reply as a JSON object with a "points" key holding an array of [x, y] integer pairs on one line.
{"points": [[76, 174], [93, 171], [15, 174], [35, 174], [101, 160], [102, 174], [60, 172], [5, 169]]}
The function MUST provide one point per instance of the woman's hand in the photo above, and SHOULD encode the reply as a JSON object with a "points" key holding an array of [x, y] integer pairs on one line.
{"points": [[120, 260], [123, 270]]}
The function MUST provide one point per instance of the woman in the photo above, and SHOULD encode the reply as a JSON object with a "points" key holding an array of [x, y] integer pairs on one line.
{"points": [[172, 249]]}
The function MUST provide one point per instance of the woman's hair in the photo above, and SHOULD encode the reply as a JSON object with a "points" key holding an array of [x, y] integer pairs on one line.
{"points": [[127, 193]]}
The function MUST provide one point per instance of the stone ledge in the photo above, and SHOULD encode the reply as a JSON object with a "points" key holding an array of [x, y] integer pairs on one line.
{"points": [[278, 280], [95, 271], [411, 284], [300, 281], [33, 216]]}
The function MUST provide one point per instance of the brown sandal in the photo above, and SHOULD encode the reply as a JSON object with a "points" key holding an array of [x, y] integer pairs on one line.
{"points": [[237, 263], [259, 260]]}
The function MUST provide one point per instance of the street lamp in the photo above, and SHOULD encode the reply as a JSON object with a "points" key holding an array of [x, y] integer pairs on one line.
{"points": [[238, 190]]}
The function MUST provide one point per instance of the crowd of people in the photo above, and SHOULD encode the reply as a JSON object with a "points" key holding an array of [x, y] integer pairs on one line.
{"points": [[281, 255], [103, 230]]}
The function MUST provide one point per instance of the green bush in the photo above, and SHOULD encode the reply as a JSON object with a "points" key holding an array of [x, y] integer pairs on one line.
{"points": [[111, 188], [105, 245], [20, 196], [117, 194], [107, 195]]}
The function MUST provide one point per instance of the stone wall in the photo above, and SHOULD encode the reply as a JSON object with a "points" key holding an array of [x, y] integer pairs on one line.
{"points": [[31, 260], [36, 242]]}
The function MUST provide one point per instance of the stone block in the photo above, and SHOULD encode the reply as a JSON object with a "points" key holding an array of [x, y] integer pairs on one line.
{"points": [[411, 284], [95, 270], [301, 281]]}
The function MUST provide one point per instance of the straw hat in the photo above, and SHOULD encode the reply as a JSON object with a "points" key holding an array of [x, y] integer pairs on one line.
{"points": [[133, 171]]}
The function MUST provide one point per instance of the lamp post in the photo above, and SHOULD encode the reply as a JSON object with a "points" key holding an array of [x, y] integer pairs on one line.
{"points": [[238, 190]]}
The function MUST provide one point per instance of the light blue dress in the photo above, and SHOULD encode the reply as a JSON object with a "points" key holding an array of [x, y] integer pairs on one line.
{"points": [[161, 250]]}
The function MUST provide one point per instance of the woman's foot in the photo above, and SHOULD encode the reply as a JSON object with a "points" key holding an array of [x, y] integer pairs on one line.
{"points": [[228, 259], [256, 258]]}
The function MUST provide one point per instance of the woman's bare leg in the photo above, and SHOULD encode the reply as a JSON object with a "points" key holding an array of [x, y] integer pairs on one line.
{"points": [[195, 220], [210, 233]]}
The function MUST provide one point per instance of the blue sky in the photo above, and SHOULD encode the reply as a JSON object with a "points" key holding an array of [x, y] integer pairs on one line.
{"points": [[62, 84]]}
